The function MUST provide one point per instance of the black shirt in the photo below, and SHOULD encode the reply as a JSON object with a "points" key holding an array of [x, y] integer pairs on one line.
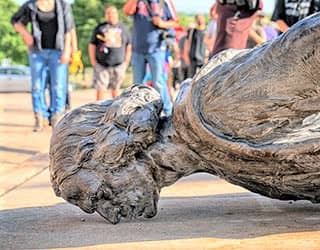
{"points": [[197, 51], [111, 42], [48, 25], [292, 11]]}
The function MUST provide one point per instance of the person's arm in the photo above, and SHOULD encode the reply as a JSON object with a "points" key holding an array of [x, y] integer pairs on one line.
{"points": [[74, 40], [258, 38], [92, 54], [130, 7], [26, 36], [278, 16], [165, 24], [185, 53], [207, 40], [19, 20], [281, 25], [66, 53], [70, 33], [176, 52], [168, 20], [210, 35], [68, 18], [128, 55]]}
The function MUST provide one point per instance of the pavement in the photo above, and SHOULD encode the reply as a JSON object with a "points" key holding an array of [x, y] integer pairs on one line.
{"points": [[198, 212]]}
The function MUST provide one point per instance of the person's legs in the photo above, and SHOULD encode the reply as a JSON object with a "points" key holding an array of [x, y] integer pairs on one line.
{"points": [[101, 79], [68, 101], [58, 77], [112, 82], [138, 63], [192, 69], [38, 66], [117, 74], [156, 61]]}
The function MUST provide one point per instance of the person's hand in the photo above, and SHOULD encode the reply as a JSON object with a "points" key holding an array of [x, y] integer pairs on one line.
{"points": [[27, 39], [65, 57], [157, 21], [187, 62], [76, 64], [126, 63], [176, 24]]}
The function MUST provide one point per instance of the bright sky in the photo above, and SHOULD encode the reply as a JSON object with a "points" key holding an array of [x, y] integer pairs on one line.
{"points": [[200, 6]]}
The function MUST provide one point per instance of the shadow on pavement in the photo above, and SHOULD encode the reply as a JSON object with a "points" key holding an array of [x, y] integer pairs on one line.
{"points": [[15, 125], [220, 216], [18, 150]]}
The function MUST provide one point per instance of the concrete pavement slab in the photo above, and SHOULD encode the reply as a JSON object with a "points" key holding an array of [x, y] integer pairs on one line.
{"points": [[31, 217], [21, 150], [198, 212]]}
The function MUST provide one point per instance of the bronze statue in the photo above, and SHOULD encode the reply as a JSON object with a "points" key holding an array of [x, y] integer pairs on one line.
{"points": [[251, 117]]}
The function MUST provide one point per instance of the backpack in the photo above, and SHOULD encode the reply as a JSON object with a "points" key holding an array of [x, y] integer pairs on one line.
{"points": [[252, 4]]}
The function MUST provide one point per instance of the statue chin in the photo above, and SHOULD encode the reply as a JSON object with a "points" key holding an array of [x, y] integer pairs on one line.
{"points": [[250, 117]]}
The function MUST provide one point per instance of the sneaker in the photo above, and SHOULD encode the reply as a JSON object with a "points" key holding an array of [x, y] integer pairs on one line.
{"points": [[45, 123], [38, 125]]}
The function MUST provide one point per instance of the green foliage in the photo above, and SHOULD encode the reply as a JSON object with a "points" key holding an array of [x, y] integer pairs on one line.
{"points": [[185, 19], [11, 43]]}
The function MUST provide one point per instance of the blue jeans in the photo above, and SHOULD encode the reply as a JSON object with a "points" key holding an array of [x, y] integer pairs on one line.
{"points": [[156, 61], [42, 63]]}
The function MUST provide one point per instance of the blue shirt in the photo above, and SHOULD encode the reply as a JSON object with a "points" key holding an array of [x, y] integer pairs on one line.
{"points": [[146, 37]]}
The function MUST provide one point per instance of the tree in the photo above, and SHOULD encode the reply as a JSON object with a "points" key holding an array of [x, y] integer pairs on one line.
{"points": [[11, 44]]}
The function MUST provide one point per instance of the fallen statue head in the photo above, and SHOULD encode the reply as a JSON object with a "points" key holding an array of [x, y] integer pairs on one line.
{"points": [[97, 156], [251, 117]]}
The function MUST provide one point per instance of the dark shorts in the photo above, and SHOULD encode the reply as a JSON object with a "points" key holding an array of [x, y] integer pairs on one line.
{"points": [[108, 77]]}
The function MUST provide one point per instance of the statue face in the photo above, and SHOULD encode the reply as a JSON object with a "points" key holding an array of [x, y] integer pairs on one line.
{"points": [[132, 192], [81, 189], [128, 192], [97, 156]]}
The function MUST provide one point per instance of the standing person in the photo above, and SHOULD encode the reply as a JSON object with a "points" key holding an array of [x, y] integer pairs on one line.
{"points": [[261, 30], [182, 42], [151, 18], [109, 53], [288, 12], [212, 26], [195, 46], [49, 48], [234, 22]]}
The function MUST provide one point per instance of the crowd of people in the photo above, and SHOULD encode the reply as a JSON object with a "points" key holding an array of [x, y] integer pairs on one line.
{"points": [[161, 52]]}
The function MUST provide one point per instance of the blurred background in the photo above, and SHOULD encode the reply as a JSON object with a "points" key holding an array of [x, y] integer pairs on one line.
{"points": [[87, 14]]}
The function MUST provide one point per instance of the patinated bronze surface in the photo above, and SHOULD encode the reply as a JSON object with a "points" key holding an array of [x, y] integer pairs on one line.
{"points": [[251, 117]]}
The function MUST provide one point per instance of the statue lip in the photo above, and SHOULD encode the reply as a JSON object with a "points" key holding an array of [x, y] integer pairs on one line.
{"points": [[114, 213], [111, 214]]}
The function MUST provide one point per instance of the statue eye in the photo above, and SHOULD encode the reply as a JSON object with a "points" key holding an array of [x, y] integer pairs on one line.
{"points": [[73, 197], [93, 198]]}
